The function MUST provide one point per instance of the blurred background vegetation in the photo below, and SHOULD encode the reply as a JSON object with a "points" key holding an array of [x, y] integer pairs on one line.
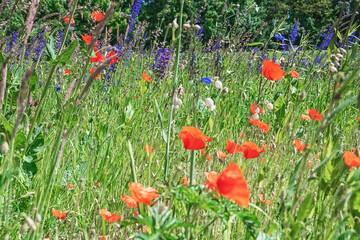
{"points": [[218, 18]]}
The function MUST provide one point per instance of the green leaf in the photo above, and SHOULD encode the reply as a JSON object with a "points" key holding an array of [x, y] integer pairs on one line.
{"points": [[254, 44], [33, 80], [50, 47], [65, 56], [305, 207], [279, 109]]}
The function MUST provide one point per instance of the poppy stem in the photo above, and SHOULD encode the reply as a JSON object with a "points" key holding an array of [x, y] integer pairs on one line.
{"points": [[166, 164], [132, 162], [193, 160]]}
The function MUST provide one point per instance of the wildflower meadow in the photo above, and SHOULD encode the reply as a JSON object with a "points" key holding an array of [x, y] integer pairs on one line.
{"points": [[179, 119]]}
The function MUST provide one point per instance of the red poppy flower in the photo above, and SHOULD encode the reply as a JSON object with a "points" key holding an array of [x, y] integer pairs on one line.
{"points": [[146, 77], [87, 39], [254, 107], [47, 236], [309, 164], [185, 182], [232, 147], [220, 154], [136, 96], [108, 216], [70, 185], [272, 71], [141, 194], [251, 150], [148, 148], [337, 85], [263, 200], [58, 214], [66, 19], [193, 138], [99, 57], [208, 157], [314, 114], [359, 119], [299, 145], [211, 181], [130, 202], [97, 16], [102, 238], [67, 72], [115, 60], [92, 71], [135, 213], [294, 74], [351, 159], [232, 185], [353, 150]]}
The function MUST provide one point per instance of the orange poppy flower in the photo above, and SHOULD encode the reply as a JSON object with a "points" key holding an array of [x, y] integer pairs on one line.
{"points": [[304, 117], [299, 145], [314, 114], [98, 57], [263, 200], [220, 154], [272, 71], [294, 74], [309, 164], [251, 150], [102, 238], [242, 134], [87, 39], [337, 85], [193, 138], [264, 127], [359, 119], [224, 115], [70, 185], [353, 150], [254, 122], [351, 159], [58, 214], [141, 194], [232, 147], [129, 201], [97, 16], [97, 184], [115, 60], [148, 148], [211, 181], [254, 107], [135, 213], [247, 171], [108, 216], [232, 185], [146, 77], [66, 19], [47, 236], [208, 157], [185, 182], [136, 96], [317, 156], [67, 72]]}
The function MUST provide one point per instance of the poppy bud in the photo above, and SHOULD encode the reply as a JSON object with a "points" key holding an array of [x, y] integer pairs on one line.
{"points": [[257, 110], [177, 102], [343, 51], [215, 78], [340, 56], [170, 25], [196, 27], [335, 57], [270, 106], [225, 90], [4, 147], [218, 84], [244, 96], [186, 26], [336, 64], [175, 25], [255, 116], [333, 69], [302, 95]]}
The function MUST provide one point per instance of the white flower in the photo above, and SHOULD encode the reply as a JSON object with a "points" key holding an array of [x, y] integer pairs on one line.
{"points": [[218, 84], [186, 26], [270, 106], [257, 8], [333, 70], [209, 102], [196, 27], [255, 116]]}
